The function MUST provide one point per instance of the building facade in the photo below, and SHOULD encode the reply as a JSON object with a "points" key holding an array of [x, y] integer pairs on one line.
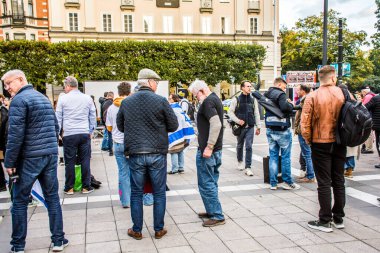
{"points": [[24, 20]]}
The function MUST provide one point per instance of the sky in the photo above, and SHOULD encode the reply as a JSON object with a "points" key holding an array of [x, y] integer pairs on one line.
{"points": [[359, 13]]}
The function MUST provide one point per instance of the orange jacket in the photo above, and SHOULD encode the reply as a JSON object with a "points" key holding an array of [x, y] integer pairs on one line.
{"points": [[320, 114]]}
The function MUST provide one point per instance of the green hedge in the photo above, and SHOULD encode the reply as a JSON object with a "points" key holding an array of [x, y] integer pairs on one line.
{"points": [[183, 62]]}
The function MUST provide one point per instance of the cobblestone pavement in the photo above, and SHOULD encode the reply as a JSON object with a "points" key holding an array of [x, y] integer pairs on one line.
{"points": [[257, 219]]}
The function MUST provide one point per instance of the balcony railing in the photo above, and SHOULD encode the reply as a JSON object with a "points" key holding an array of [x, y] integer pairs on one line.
{"points": [[72, 3], [19, 20], [253, 6], [206, 6], [127, 5]]}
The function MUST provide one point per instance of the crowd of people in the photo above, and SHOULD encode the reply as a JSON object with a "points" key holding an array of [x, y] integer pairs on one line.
{"points": [[141, 141]]}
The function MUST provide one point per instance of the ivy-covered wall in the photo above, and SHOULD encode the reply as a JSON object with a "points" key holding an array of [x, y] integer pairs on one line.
{"points": [[182, 62]]}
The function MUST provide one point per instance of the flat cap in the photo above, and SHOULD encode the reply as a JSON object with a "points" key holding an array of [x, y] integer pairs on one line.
{"points": [[148, 74]]}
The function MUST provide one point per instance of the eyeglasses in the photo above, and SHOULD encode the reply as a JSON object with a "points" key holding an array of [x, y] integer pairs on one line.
{"points": [[6, 84]]}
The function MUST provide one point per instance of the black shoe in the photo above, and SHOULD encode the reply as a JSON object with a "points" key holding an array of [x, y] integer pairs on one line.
{"points": [[367, 152], [181, 171], [3, 188], [172, 172], [105, 149], [111, 153], [324, 227], [377, 166]]}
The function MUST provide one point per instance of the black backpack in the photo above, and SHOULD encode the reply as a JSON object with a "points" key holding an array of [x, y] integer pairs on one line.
{"points": [[190, 110], [354, 123]]}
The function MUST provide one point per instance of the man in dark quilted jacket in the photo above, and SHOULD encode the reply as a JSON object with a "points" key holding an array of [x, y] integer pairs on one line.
{"points": [[32, 153], [145, 118]]}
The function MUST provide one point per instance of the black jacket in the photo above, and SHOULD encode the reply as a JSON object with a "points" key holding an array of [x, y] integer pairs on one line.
{"points": [[374, 107], [106, 104], [145, 118], [278, 97]]}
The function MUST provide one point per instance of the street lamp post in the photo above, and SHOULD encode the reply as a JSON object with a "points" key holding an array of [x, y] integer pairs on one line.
{"points": [[274, 39], [325, 22]]}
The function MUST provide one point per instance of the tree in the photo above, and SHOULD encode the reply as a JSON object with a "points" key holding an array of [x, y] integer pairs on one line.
{"points": [[302, 46]]}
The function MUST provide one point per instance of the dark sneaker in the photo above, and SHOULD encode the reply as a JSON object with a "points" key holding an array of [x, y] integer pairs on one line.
{"points": [[306, 180], [160, 234], [59, 247], [14, 251], [111, 153], [87, 190], [367, 152], [172, 172], [337, 225], [135, 235], [203, 215], [324, 227], [213, 223], [181, 171], [377, 166]]}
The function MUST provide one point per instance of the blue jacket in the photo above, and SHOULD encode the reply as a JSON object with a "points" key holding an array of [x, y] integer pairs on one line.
{"points": [[33, 127]]}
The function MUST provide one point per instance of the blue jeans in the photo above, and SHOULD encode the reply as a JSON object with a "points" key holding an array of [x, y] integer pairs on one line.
{"points": [[124, 174], [178, 161], [73, 146], [208, 176], [148, 199], [280, 141], [350, 162], [107, 140], [246, 136], [44, 169], [306, 153], [154, 166]]}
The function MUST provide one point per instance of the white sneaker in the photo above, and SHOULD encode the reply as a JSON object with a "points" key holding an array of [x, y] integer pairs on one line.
{"points": [[302, 173], [248, 172], [273, 188], [240, 166], [293, 186], [337, 225]]}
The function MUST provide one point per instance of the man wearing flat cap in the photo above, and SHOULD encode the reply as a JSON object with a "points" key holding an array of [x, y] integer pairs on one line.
{"points": [[145, 118]]}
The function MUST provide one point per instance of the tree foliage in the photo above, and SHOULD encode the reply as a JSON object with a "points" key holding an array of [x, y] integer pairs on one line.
{"points": [[174, 61], [302, 46]]}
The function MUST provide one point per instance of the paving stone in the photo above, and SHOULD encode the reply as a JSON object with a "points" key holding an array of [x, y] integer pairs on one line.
{"points": [[246, 223], [301, 217], [305, 239], [289, 250], [276, 219], [325, 248], [230, 231], [355, 247], [101, 226], [244, 245], [75, 239], [336, 236], [38, 232], [104, 236], [182, 249], [374, 243], [288, 209], [37, 243], [109, 247], [359, 231], [263, 211], [144, 245], [179, 219], [275, 242], [75, 249], [238, 212], [289, 228], [192, 227], [170, 241]]}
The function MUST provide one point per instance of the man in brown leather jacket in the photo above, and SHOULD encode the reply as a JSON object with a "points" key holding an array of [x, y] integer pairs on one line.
{"points": [[318, 121]]}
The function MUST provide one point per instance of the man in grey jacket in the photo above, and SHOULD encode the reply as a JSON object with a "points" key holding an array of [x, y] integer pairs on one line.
{"points": [[244, 110]]}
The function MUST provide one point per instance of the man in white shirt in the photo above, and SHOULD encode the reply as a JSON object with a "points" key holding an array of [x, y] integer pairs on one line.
{"points": [[124, 89], [76, 116]]}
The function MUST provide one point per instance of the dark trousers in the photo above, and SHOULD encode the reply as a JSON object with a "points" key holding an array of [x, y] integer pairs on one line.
{"points": [[328, 161], [245, 137], [377, 134], [2, 177], [73, 146]]}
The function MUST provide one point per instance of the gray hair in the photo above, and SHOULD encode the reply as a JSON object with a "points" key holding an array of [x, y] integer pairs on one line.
{"points": [[143, 82], [197, 85], [14, 72], [70, 81]]}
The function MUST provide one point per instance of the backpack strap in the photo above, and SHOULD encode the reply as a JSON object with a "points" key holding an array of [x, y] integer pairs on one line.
{"points": [[346, 95]]}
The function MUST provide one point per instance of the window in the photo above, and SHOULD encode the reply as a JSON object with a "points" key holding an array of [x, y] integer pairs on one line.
{"points": [[19, 36], [206, 25], [32, 37], [5, 9], [128, 24], [73, 22], [253, 26], [187, 25], [148, 24], [7, 37], [107, 26], [225, 25], [30, 8], [18, 7], [167, 22]]}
